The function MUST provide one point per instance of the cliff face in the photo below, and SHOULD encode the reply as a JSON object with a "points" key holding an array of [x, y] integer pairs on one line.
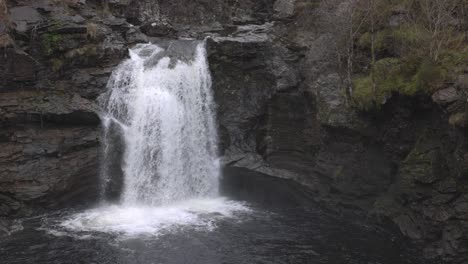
{"points": [[282, 109]]}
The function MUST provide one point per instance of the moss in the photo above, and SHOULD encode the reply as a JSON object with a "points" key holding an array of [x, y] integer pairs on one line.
{"points": [[50, 43], [453, 62], [363, 95], [411, 35], [429, 77], [56, 64], [390, 75], [383, 41]]}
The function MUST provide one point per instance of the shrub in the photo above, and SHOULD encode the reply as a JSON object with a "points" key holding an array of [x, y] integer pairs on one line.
{"points": [[391, 76]]}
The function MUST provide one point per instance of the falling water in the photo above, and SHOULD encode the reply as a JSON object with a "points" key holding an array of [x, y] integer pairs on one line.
{"points": [[160, 142], [161, 101]]}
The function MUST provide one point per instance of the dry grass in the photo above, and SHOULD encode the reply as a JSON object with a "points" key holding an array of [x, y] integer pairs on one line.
{"points": [[91, 30], [5, 41]]}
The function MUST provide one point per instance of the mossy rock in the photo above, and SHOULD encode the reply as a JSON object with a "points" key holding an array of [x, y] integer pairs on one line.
{"points": [[408, 77], [424, 164], [50, 43], [390, 76], [383, 41], [56, 64]]}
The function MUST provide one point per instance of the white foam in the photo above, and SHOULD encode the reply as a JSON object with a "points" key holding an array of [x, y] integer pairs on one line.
{"points": [[199, 214]]}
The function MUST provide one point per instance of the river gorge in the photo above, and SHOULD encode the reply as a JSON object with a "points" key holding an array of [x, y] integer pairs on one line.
{"points": [[239, 131]]}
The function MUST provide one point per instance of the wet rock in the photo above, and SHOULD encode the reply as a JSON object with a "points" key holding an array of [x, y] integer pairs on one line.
{"points": [[90, 82], [158, 30], [134, 35]]}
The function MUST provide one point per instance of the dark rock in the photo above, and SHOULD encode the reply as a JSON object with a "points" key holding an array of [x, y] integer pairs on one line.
{"points": [[68, 24], [408, 226], [421, 165], [284, 8], [24, 18], [8, 206], [120, 2], [134, 35], [17, 66], [332, 106], [43, 107], [158, 30], [111, 168], [447, 186], [461, 207], [90, 82]]}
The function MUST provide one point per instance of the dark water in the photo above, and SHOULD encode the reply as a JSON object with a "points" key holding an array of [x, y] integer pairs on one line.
{"points": [[278, 230]]}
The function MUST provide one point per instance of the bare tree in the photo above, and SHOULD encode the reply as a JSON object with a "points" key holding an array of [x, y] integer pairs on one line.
{"points": [[343, 19], [437, 17]]}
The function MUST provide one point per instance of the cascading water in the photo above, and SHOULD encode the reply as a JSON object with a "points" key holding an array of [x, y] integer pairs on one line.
{"points": [[160, 135], [165, 111]]}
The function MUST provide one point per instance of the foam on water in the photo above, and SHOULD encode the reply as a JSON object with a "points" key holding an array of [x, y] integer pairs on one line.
{"points": [[199, 214]]}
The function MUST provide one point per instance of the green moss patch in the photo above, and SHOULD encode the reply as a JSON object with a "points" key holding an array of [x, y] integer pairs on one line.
{"points": [[50, 43]]}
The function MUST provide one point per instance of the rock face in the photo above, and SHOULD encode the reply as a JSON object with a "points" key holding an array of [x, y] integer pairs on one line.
{"points": [[281, 106], [55, 66]]}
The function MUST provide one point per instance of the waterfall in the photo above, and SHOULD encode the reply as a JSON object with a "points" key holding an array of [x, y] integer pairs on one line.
{"points": [[160, 102], [159, 146]]}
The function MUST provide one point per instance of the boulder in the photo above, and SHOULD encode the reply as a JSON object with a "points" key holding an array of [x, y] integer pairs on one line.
{"points": [[446, 96], [24, 18], [284, 9]]}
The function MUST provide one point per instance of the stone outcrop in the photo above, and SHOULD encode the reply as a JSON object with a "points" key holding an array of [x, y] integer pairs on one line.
{"points": [[281, 104]]}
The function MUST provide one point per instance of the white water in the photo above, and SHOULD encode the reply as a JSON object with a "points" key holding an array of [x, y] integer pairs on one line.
{"points": [[198, 214], [164, 110], [169, 130]]}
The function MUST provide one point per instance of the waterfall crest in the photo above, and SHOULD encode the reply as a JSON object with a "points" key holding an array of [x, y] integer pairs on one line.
{"points": [[161, 101]]}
